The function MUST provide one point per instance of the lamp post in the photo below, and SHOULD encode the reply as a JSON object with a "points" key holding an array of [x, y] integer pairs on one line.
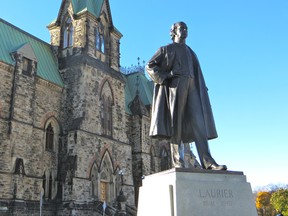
{"points": [[121, 198]]}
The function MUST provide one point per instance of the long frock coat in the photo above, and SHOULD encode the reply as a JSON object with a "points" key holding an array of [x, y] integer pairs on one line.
{"points": [[160, 70]]}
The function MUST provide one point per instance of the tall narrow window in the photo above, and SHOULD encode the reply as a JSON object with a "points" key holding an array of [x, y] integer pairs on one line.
{"points": [[50, 187], [106, 109], [47, 185], [106, 115], [68, 33], [99, 40], [94, 181], [19, 167], [44, 184], [109, 116], [102, 44], [103, 114], [49, 138]]}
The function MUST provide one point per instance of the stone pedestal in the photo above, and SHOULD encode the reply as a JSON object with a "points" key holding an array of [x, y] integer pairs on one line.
{"points": [[196, 192]]}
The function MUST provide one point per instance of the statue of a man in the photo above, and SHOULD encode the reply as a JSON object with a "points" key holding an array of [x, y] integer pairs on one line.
{"points": [[181, 109]]}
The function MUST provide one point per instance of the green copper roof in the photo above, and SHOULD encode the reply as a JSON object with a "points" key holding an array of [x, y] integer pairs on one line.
{"points": [[92, 6], [142, 84], [13, 38]]}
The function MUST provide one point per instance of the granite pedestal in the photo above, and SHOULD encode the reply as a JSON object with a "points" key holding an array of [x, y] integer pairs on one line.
{"points": [[196, 192]]}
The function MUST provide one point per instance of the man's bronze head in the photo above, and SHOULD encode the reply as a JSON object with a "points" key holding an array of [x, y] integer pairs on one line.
{"points": [[174, 27]]}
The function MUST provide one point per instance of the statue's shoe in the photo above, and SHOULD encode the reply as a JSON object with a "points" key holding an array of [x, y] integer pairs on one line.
{"points": [[216, 166]]}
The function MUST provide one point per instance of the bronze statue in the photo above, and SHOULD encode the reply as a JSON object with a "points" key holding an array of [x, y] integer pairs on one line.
{"points": [[181, 109]]}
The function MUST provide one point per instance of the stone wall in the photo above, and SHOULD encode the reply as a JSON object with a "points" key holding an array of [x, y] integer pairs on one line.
{"points": [[6, 72], [28, 104], [22, 133], [86, 80]]}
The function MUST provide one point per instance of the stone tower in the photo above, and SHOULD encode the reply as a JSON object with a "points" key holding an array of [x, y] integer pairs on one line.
{"points": [[94, 144]]}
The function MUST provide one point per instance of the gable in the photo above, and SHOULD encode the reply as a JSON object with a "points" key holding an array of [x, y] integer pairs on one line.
{"points": [[137, 83], [97, 8], [27, 51]]}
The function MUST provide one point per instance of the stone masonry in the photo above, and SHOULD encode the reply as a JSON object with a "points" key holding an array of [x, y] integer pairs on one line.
{"points": [[81, 143]]}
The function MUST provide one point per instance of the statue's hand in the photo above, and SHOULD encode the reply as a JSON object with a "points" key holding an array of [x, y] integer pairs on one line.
{"points": [[170, 76], [168, 79]]}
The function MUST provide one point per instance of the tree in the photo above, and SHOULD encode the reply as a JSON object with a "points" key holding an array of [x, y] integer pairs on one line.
{"points": [[279, 200], [263, 203]]}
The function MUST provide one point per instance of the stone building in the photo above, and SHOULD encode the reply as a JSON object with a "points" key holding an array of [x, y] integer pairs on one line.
{"points": [[73, 128]]}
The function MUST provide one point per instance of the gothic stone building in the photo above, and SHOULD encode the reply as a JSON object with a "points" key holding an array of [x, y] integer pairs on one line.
{"points": [[73, 128]]}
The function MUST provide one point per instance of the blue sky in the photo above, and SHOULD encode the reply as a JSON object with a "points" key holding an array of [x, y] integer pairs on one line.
{"points": [[242, 46]]}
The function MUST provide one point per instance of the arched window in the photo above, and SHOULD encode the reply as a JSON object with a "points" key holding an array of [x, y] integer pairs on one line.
{"points": [[107, 180], [94, 181], [51, 135], [49, 138], [68, 33], [106, 109], [106, 115]]}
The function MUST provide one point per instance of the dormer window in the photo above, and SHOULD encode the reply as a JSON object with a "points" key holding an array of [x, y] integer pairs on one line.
{"points": [[26, 66], [68, 33]]}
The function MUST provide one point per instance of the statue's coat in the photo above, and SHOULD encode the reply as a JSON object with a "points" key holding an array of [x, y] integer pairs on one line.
{"points": [[160, 70]]}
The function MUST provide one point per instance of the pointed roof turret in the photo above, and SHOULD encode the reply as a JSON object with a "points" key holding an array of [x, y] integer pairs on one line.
{"points": [[92, 6]]}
